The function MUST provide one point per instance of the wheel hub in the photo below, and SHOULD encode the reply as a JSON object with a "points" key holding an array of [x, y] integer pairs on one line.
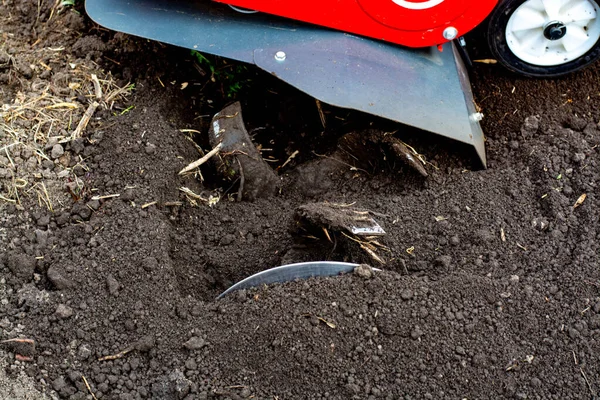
{"points": [[552, 32], [555, 30]]}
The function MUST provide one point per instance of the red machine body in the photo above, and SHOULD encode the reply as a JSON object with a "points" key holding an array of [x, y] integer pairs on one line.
{"points": [[412, 23]]}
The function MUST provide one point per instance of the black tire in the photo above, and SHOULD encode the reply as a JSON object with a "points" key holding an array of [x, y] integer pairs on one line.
{"points": [[496, 36]]}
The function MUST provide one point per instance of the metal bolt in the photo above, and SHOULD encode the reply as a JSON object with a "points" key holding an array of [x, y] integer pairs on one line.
{"points": [[476, 117], [450, 33], [280, 55]]}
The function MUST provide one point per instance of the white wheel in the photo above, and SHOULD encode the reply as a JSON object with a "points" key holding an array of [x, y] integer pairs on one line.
{"points": [[553, 32], [545, 37]]}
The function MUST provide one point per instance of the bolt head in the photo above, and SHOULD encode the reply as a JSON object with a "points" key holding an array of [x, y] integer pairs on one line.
{"points": [[450, 33], [476, 117], [280, 55]]}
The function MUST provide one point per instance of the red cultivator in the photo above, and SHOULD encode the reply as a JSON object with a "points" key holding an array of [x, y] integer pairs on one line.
{"points": [[397, 59]]}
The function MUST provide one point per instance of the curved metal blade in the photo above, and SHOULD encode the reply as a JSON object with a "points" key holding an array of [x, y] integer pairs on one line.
{"points": [[291, 272]]}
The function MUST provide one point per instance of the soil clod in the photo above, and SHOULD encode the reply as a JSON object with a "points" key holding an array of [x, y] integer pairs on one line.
{"points": [[146, 343], [364, 271], [112, 285], [63, 311], [22, 266], [345, 223], [340, 217], [59, 278], [195, 343]]}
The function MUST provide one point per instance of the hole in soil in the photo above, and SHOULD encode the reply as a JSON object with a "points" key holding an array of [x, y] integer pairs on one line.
{"points": [[205, 281]]}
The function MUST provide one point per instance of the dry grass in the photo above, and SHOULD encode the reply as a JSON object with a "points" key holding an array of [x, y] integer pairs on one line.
{"points": [[43, 112], [193, 198], [45, 109]]}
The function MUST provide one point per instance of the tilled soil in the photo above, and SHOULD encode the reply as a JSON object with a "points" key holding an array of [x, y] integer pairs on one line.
{"points": [[491, 282]]}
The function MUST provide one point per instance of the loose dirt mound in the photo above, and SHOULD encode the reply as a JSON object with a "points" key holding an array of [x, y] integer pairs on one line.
{"points": [[490, 287]]}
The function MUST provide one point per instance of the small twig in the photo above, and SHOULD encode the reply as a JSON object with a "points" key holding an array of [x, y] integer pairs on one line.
{"points": [[290, 158], [192, 197], [217, 117], [588, 382], [342, 205], [236, 152], [108, 196], [236, 387], [353, 239], [46, 66], [366, 246], [45, 199], [190, 193], [579, 201], [372, 254], [149, 204], [352, 167], [87, 385], [120, 354], [321, 113], [323, 320], [172, 204], [6, 199], [585, 310], [381, 246], [201, 161], [118, 92], [486, 61], [327, 234], [8, 155], [97, 87], [369, 246], [84, 120], [329, 324], [66, 105]]}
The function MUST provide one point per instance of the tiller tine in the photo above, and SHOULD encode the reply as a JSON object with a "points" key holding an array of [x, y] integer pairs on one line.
{"points": [[424, 88]]}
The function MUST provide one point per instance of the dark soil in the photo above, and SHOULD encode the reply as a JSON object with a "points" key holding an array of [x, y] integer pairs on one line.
{"points": [[491, 282]]}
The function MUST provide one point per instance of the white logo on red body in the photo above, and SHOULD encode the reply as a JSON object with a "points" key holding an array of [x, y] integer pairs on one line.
{"points": [[411, 5]]}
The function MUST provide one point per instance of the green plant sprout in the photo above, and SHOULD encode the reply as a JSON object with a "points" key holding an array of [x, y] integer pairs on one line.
{"points": [[231, 77]]}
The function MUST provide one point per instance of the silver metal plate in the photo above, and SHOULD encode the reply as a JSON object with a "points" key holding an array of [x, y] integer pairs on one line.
{"points": [[292, 272], [372, 228]]}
